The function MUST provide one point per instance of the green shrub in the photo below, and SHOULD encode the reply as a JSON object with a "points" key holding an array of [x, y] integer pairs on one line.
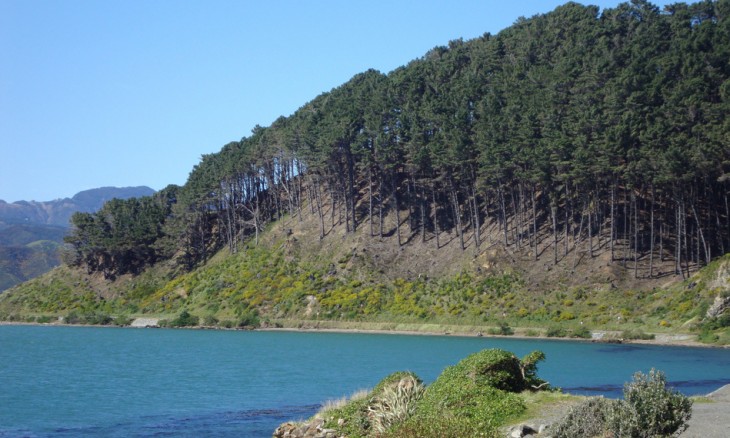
{"points": [[581, 332], [72, 318], [587, 419], [636, 334], [477, 392], [437, 427], [503, 330], [660, 411], [97, 318], [249, 318], [123, 320], [44, 319], [185, 319], [471, 398], [210, 321], [648, 410], [556, 332]]}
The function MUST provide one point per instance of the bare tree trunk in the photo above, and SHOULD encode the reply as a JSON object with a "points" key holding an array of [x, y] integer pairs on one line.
{"points": [[613, 226], [504, 214], [397, 214], [636, 236], [651, 235], [477, 225], [567, 220], [457, 216], [590, 228], [380, 206], [435, 216], [533, 240], [370, 200], [627, 234], [554, 211], [423, 214], [320, 213], [701, 236], [678, 244]]}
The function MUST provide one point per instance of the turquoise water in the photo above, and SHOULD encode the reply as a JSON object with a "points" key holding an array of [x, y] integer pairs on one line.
{"points": [[99, 382]]}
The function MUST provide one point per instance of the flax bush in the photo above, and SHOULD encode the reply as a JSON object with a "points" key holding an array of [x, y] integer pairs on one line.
{"points": [[395, 404]]}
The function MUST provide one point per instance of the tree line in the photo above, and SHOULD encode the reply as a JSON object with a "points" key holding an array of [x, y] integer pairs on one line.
{"points": [[570, 133]]}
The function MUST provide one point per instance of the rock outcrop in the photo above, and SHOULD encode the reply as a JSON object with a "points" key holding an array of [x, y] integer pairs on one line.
{"points": [[312, 429]]}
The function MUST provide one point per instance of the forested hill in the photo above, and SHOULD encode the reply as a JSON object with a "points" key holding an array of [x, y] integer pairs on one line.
{"points": [[576, 133]]}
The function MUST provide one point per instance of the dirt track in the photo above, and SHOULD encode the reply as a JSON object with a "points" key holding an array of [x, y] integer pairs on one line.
{"points": [[711, 420]]}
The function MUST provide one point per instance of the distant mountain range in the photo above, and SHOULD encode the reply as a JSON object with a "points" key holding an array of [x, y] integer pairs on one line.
{"points": [[59, 211], [31, 232]]}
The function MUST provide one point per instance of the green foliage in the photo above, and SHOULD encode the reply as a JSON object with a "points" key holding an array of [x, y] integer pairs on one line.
{"points": [[587, 419], [123, 320], [556, 332], [528, 367], [119, 238], [209, 321], [471, 398], [504, 330], [185, 319], [649, 409], [477, 391], [249, 318], [90, 318], [659, 411], [44, 319], [581, 332], [636, 334]]}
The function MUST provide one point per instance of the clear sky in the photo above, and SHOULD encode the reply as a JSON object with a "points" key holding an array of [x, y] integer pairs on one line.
{"points": [[132, 92]]}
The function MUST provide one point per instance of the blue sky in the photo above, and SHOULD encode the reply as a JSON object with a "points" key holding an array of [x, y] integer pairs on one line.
{"points": [[133, 92]]}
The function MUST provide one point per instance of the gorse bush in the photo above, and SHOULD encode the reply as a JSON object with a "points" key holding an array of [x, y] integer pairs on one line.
{"points": [[649, 409]]}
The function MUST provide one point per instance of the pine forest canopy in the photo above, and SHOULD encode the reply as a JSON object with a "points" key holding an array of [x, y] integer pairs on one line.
{"points": [[569, 125]]}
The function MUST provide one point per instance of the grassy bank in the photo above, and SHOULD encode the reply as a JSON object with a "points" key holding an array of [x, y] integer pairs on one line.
{"points": [[290, 283]]}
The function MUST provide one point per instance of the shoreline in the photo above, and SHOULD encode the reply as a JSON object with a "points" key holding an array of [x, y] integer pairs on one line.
{"points": [[664, 340]]}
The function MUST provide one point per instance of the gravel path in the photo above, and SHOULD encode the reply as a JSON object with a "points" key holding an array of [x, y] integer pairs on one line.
{"points": [[711, 420]]}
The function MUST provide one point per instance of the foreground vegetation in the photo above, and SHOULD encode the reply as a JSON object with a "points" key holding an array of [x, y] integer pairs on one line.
{"points": [[487, 391]]}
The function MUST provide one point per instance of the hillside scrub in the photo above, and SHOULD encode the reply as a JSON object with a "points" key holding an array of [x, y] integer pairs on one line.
{"points": [[270, 286]]}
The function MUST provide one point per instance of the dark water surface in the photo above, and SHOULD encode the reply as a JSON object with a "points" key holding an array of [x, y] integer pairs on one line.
{"points": [[99, 382]]}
